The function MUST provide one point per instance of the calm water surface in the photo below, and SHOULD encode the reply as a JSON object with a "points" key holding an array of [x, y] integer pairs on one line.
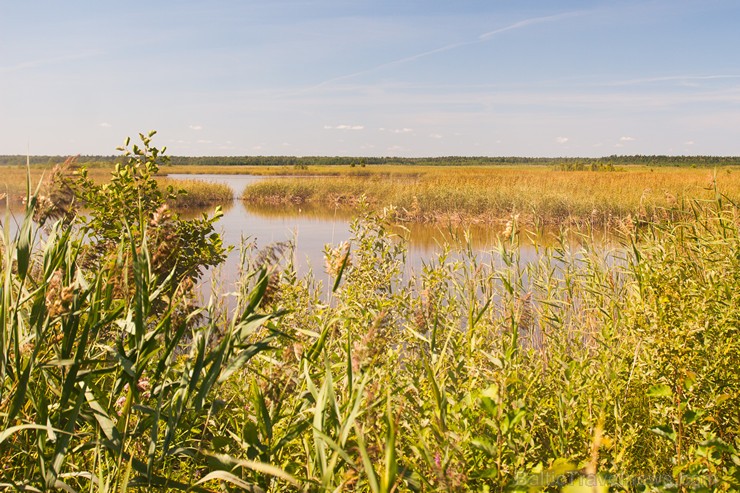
{"points": [[313, 229]]}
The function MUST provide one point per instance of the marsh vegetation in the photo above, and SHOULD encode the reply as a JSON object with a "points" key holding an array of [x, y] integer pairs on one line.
{"points": [[596, 368], [539, 195]]}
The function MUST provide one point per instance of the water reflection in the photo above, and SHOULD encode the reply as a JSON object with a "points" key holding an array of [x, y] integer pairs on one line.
{"points": [[312, 228]]}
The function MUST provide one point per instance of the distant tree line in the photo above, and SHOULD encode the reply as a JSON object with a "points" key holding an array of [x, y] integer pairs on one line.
{"points": [[602, 163]]}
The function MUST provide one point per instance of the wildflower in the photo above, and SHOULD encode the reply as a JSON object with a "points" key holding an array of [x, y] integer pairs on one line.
{"points": [[121, 402], [58, 297], [143, 386], [57, 197], [334, 258], [511, 224], [160, 216]]}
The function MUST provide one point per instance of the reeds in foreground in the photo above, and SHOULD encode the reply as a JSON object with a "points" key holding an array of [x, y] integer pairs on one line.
{"points": [[585, 369]]}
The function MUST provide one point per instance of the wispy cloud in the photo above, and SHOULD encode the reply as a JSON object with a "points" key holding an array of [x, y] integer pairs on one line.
{"points": [[404, 130], [105, 125], [562, 140], [195, 127], [482, 38], [529, 22], [344, 127], [627, 139], [673, 78], [31, 64]]}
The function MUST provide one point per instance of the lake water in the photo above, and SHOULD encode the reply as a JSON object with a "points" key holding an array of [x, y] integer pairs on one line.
{"points": [[313, 228]]}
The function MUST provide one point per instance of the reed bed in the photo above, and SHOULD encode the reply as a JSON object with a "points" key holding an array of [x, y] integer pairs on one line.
{"points": [[194, 193], [590, 368], [285, 170], [587, 369], [490, 195]]}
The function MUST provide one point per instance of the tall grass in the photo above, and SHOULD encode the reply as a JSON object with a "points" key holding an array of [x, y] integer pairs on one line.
{"points": [[196, 193], [585, 368], [99, 388], [490, 195]]}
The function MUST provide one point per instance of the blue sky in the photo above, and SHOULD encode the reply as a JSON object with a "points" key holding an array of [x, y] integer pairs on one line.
{"points": [[372, 77]]}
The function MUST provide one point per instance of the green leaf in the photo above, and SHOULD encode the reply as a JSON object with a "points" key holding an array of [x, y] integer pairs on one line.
{"points": [[690, 416], [343, 266], [718, 444], [259, 467], [372, 476], [230, 478], [561, 466], [15, 429], [666, 431], [659, 391]]}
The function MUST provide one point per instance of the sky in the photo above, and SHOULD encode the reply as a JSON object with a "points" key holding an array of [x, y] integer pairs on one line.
{"points": [[412, 78]]}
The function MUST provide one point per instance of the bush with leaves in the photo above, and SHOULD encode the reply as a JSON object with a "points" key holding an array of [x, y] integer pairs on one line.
{"points": [[104, 389], [133, 204]]}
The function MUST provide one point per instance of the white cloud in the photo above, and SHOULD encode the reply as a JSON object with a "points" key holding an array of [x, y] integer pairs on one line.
{"points": [[689, 142], [562, 140], [675, 78], [404, 130], [344, 127], [435, 136], [528, 22], [482, 38], [627, 139], [203, 141], [195, 127], [105, 125]]}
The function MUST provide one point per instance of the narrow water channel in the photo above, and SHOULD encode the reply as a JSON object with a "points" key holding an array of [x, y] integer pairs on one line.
{"points": [[312, 229]]}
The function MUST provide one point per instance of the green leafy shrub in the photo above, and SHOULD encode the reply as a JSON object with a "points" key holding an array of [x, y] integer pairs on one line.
{"points": [[115, 388]]}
